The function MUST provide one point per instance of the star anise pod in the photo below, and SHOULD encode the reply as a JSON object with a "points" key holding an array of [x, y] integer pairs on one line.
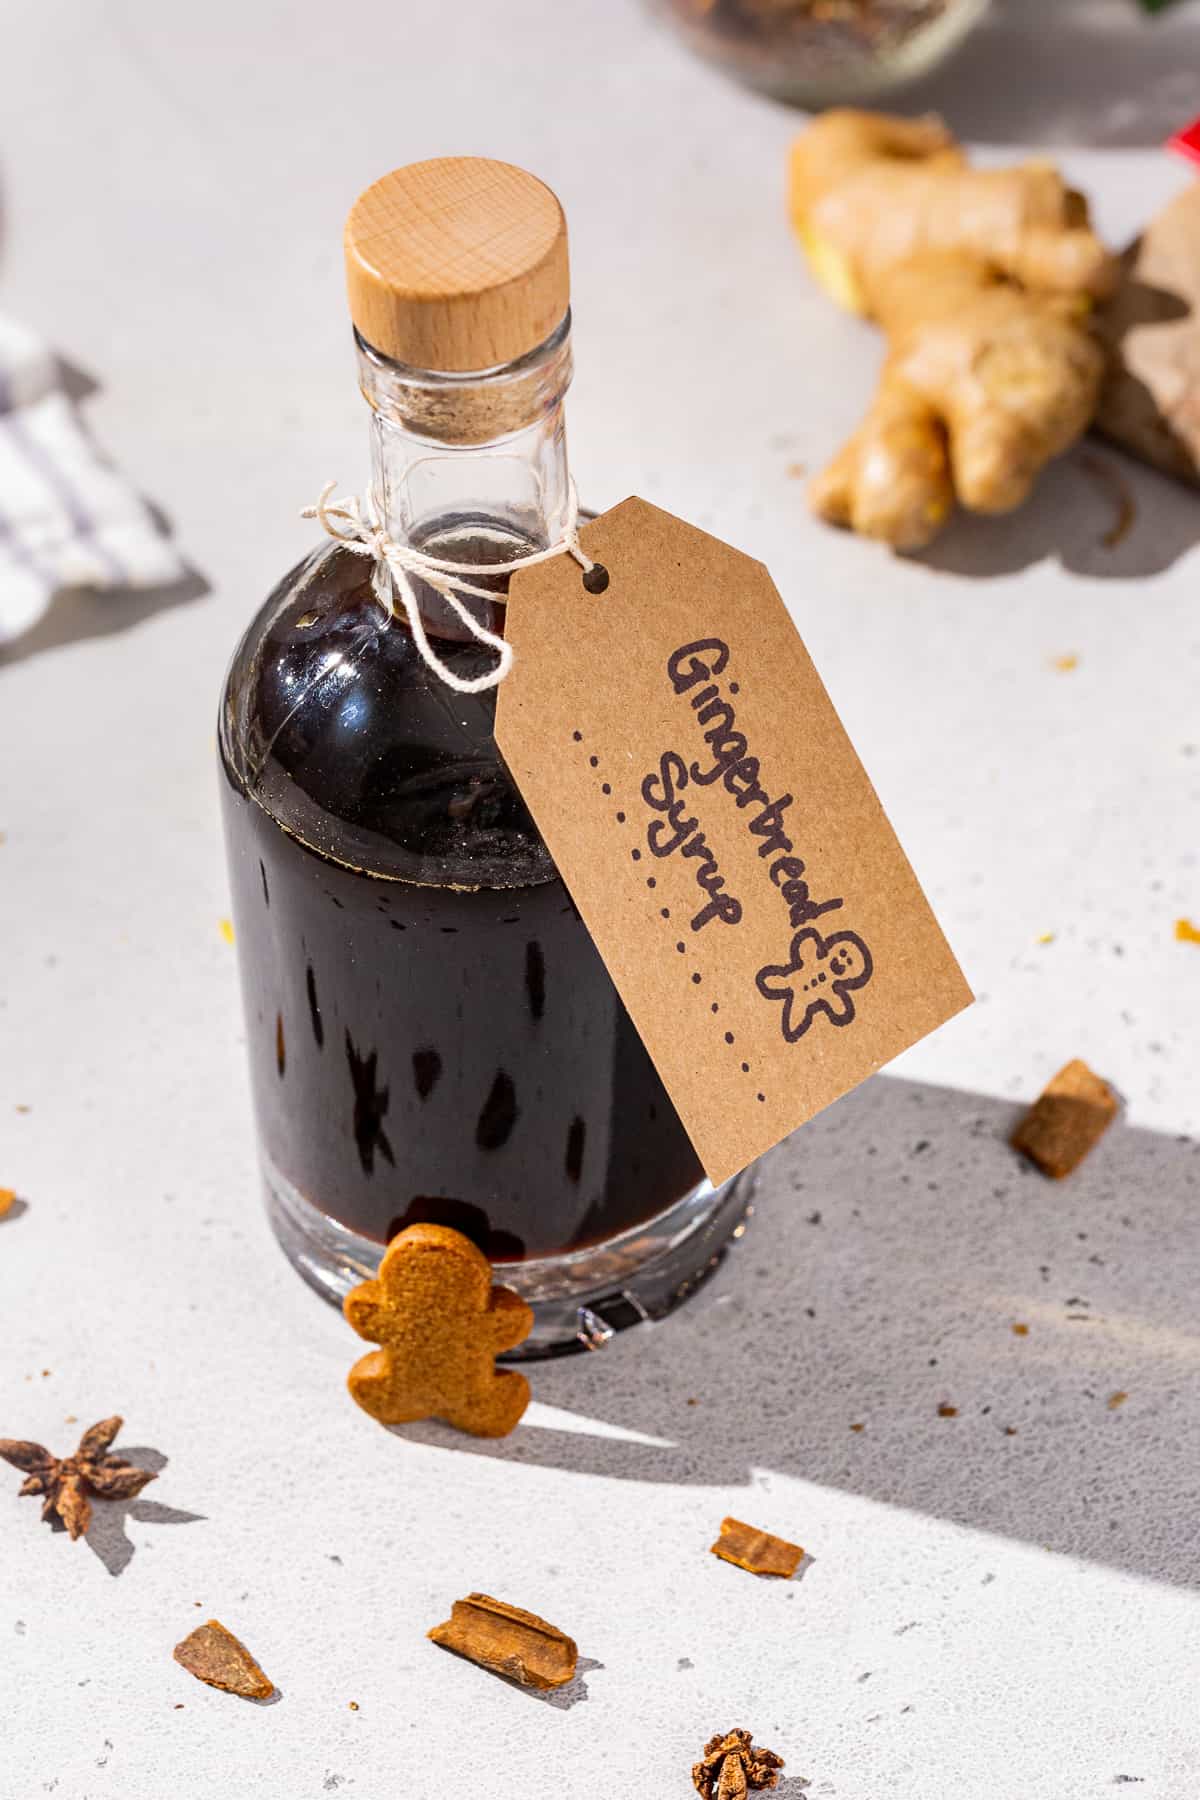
{"points": [[731, 1767], [67, 1481]]}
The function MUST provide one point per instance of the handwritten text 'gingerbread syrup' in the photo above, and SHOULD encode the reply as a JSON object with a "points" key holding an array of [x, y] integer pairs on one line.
{"points": [[821, 973]]}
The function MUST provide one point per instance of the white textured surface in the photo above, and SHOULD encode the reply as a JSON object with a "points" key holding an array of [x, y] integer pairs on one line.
{"points": [[985, 1615]]}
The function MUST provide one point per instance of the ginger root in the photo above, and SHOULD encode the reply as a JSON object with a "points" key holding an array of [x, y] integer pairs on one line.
{"points": [[982, 281]]}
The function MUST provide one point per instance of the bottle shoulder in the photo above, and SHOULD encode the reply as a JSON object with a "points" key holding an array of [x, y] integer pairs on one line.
{"points": [[331, 722]]}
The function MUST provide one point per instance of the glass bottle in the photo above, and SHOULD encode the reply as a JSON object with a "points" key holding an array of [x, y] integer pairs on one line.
{"points": [[432, 1034]]}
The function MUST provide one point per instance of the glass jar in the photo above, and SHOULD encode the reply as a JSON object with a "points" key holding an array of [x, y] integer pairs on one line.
{"points": [[818, 53], [432, 1034]]}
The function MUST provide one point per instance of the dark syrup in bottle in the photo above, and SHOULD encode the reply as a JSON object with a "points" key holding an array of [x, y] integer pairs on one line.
{"points": [[432, 1034]]}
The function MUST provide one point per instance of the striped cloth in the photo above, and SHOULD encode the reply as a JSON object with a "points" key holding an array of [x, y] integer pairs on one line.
{"points": [[67, 518]]}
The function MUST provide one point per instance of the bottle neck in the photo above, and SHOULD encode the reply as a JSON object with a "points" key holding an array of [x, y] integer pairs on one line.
{"points": [[471, 467]]}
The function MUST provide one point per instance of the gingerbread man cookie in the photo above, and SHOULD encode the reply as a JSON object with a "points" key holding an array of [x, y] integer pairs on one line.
{"points": [[440, 1324], [818, 977]]}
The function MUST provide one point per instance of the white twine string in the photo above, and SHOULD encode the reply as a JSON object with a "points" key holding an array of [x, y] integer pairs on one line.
{"points": [[353, 524]]}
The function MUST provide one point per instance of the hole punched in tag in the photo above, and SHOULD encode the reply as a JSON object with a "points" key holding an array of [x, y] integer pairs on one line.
{"points": [[595, 579]]}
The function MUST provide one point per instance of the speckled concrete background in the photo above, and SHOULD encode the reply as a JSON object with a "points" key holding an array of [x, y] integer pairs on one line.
{"points": [[983, 1614]]}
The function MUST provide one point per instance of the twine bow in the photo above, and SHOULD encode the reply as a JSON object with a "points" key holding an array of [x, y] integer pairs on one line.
{"points": [[354, 524]]}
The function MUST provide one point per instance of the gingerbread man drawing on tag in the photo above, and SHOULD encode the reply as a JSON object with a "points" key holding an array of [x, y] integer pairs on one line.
{"points": [[820, 976]]}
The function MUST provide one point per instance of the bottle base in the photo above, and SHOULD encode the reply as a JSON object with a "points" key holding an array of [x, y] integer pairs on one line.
{"points": [[580, 1299]]}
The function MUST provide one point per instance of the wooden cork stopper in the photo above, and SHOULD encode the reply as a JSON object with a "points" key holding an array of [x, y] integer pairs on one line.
{"points": [[457, 264]]}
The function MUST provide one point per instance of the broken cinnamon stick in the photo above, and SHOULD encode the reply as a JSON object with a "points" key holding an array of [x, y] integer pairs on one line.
{"points": [[508, 1641], [758, 1551]]}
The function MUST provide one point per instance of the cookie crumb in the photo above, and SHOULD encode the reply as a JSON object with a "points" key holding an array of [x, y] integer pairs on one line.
{"points": [[1066, 1121]]}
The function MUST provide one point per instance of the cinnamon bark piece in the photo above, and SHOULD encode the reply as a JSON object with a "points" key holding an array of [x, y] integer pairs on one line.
{"points": [[212, 1654], [758, 1551], [1066, 1120], [508, 1641]]}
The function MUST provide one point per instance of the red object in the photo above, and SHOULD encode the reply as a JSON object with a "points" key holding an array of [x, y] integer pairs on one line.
{"points": [[1187, 142]]}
